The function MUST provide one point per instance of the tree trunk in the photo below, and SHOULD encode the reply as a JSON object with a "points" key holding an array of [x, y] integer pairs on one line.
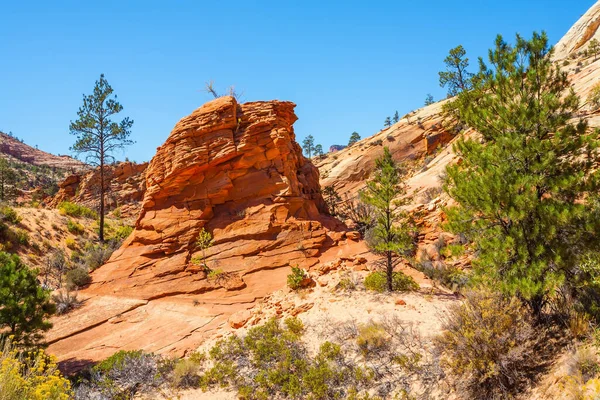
{"points": [[389, 270], [101, 231]]}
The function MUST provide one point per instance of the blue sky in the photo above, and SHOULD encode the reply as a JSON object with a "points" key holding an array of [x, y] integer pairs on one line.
{"points": [[346, 64]]}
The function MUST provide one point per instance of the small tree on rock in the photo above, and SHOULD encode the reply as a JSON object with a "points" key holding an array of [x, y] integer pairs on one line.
{"points": [[318, 150], [388, 122], [308, 145], [391, 232], [456, 77], [594, 48], [355, 137], [429, 100], [98, 136], [396, 117]]}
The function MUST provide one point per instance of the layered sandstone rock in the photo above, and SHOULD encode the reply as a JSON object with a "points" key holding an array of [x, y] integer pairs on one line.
{"points": [[125, 185], [580, 34], [236, 171]]}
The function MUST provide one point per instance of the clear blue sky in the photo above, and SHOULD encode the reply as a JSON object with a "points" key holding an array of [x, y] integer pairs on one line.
{"points": [[346, 64]]}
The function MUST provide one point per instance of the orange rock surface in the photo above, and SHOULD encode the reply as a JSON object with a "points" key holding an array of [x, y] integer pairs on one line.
{"points": [[236, 171]]}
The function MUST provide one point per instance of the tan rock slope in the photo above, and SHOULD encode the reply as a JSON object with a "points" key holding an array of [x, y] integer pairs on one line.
{"points": [[235, 170], [578, 37]]}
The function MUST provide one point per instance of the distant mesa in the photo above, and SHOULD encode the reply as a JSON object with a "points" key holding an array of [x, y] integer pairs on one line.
{"points": [[336, 147]]}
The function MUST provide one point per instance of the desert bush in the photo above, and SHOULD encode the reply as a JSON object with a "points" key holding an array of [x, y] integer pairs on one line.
{"points": [[123, 375], [489, 345], [372, 338], [74, 227], [594, 96], [347, 282], [448, 276], [95, 255], [9, 215], [31, 376], [21, 237], [272, 362], [76, 210], [186, 372], [78, 278], [401, 282], [65, 301], [71, 243], [121, 233], [294, 325], [294, 280], [585, 363]]}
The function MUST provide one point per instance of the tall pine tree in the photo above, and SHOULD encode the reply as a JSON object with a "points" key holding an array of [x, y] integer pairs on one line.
{"points": [[391, 232], [523, 187]]}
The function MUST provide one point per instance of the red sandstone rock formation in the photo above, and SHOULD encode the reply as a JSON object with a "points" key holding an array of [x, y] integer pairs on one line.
{"points": [[125, 187], [236, 171]]}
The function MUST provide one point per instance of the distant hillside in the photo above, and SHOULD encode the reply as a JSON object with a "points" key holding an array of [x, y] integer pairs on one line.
{"points": [[20, 151]]}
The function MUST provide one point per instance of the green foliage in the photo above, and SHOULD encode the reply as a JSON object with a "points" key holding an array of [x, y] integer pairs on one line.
{"points": [[489, 345], [121, 233], [25, 304], [388, 122], [451, 277], [32, 376], [594, 97], [295, 279], [456, 77], [594, 48], [294, 325], [74, 227], [318, 150], [390, 235], [396, 117], [9, 215], [203, 242], [401, 282], [308, 145], [429, 99], [98, 136], [76, 210], [354, 137], [522, 188], [117, 360], [77, 278], [272, 362], [8, 178]]}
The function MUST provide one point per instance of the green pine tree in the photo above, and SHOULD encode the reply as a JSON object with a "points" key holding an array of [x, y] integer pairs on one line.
{"points": [[522, 188], [396, 117], [355, 137], [318, 150], [98, 135], [594, 48], [391, 232], [24, 304], [429, 100], [308, 145], [388, 122], [456, 77]]}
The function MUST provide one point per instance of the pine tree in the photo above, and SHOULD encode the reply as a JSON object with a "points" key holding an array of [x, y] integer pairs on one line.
{"points": [[25, 305], [8, 178], [429, 100], [355, 137], [523, 188], [456, 76], [396, 117], [391, 232], [308, 145], [98, 136], [388, 122], [318, 150], [594, 48]]}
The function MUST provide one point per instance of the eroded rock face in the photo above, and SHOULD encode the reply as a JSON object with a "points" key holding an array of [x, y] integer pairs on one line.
{"points": [[125, 187], [580, 34], [236, 171]]}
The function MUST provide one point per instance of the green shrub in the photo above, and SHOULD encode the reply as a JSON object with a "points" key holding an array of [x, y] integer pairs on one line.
{"points": [[594, 96], [451, 277], [122, 233], [401, 282], [489, 345], [9, 215], [271, 362], [294, 280], [78, 278], [74, 227], [76, 210], [186, 373], [21, 237], [294, 325]]}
